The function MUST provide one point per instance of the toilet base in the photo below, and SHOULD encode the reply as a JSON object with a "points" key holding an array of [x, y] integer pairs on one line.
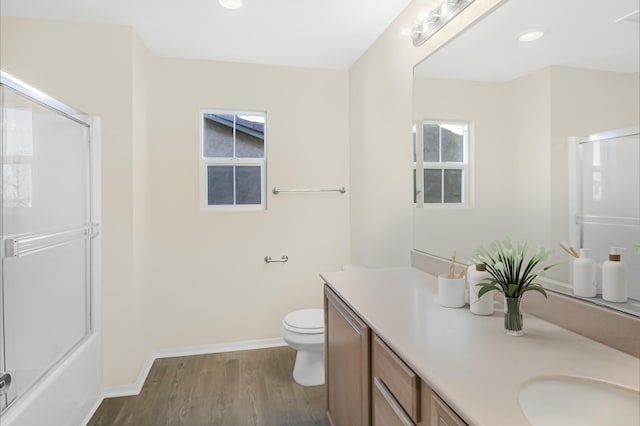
{"points": [[309, 368]]}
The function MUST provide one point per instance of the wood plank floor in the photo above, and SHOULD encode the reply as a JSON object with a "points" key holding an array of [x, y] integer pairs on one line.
{"points": [[243, 388]]}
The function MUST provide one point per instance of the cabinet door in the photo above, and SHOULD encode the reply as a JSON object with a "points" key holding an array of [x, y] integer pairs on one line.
{"points": [[346, 364], [442, 415]]}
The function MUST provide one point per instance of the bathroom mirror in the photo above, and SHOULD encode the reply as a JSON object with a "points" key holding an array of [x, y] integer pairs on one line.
{"points": [[523, 101]]}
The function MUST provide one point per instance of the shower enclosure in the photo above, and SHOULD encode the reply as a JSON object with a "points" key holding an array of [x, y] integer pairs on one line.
{"points": [[606, 202], [50, 355]]}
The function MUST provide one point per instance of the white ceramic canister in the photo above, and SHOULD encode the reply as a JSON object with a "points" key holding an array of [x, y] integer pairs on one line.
{"points": [[451, 291], [477, 274]]}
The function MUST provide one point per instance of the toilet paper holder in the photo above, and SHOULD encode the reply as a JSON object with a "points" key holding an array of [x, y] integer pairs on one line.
{"points": [[283, 259]]}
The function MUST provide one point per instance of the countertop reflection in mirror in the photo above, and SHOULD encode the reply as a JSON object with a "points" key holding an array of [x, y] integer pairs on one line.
{"points": [[524, 100], [631, 307]]}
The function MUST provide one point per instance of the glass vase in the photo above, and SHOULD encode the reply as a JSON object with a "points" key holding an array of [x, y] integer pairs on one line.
{"points": [[512, 316]]}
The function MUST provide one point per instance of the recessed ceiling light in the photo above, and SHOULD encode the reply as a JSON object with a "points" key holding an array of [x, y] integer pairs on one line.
{"points": [[231, 4], [530, 36]]}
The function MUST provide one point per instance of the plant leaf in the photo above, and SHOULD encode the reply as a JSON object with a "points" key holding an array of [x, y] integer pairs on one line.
{"points": [[486, 288], [512, 290], [537, 288]]}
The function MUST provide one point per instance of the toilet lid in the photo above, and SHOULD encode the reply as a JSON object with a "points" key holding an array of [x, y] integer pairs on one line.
{"points": [[305, 319]]}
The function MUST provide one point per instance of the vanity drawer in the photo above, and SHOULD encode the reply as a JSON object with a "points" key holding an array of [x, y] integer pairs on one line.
{"points": [[386, 410], [397, 377]]}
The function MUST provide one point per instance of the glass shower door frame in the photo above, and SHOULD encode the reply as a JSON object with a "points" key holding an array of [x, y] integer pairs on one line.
{"points": [[31, 243]]}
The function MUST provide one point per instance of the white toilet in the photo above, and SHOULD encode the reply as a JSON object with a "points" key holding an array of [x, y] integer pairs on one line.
{"points": [[304, 331]]}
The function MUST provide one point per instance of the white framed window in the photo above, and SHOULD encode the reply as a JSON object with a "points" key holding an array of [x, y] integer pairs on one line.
{"points": [[442, 147], [233, 153]]}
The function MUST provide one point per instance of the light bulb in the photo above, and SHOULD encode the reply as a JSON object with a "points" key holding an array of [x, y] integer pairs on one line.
{"points": [[448, 6]]}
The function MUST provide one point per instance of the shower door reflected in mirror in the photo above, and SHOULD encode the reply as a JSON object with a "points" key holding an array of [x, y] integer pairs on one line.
{"points": [[607, 210], [46, 234]]}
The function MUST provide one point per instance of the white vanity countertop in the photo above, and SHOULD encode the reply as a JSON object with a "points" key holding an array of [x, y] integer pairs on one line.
{"points": [[467, 359]]}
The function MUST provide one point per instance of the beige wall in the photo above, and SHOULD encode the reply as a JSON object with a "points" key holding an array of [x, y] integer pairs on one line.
{"points": [[509, 163], [380, 108], [121, 365], [527, 202], [173, 275], [584, 102], [207, 281], [519, 152], [485, 107]]}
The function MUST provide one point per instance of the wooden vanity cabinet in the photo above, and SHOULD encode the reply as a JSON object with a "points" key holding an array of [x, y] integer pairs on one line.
{"points": [[367, 383], [347, 380]]}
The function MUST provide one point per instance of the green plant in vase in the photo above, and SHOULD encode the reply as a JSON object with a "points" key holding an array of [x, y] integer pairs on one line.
{"points": [[512, 272]]}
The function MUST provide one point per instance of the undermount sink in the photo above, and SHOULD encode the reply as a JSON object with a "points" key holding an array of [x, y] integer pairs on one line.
{"points": [[564, 400]]}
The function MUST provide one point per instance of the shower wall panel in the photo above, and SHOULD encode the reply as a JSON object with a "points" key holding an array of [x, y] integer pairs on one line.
{"points": [[46, 229]]}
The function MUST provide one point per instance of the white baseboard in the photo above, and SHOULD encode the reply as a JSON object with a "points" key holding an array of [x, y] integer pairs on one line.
{"points": [[135, 388], [93, 410]]}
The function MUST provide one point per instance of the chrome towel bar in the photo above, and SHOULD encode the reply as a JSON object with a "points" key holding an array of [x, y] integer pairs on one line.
{"points": [[283, 259], [277, 190]]}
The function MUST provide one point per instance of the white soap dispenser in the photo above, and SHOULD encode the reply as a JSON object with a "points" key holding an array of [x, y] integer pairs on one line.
{"points": [[584, 275], [614, 277], [477, 274]]}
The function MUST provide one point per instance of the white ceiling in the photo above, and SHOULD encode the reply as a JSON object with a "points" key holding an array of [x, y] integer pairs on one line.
{"points": [[579, 33], [305, 33]]}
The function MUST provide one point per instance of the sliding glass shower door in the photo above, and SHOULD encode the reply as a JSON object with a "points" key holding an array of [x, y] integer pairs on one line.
{"points": [[608, 215], [46, 230]]}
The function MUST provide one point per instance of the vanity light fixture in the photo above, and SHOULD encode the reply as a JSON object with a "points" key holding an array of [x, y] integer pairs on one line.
{"points": [[530, 36], [430, 21], [231, 4]]}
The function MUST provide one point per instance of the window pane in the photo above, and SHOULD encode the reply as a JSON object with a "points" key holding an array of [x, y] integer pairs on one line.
{"points": [[433, 185], [218, 136], [250, 136], [248, 189], [452, 142], [220, 185], [431, 149], [452, 186]]}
